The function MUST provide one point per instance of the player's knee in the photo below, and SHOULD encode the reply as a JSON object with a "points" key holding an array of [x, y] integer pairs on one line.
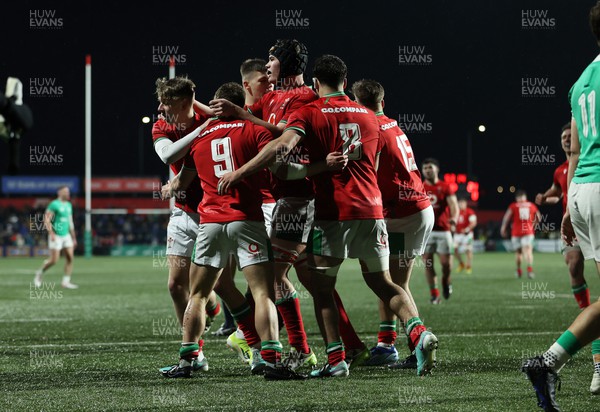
{"points": [[286, 257]]}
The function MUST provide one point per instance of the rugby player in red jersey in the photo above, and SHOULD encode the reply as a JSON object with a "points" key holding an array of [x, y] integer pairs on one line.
{"points": [[349, 211], [445, 208], [408, 216], [172, 133], [573, 256], [524, 216], [293, 214], [463, 237], [232, 223]]}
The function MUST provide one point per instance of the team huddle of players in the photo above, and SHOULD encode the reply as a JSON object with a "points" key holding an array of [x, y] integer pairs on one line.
{"points": [[277, 174]]}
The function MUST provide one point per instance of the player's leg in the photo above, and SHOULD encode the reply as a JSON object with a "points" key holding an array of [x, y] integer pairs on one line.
{"points": [[527, 249], [245, 339], [445, 251], [585, 215], [428, 262], [179, 283], [575, 263], [69, 256], [516, 243], [291, 223], [326, 253], [209, 258], [54, 247], [229, 325], [374, 263], [417, 230], [543, 370], [323, 278], [457, 247], [255, 259], [469, 253]]}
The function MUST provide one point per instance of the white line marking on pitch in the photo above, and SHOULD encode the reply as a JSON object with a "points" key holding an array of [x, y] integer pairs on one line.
{"points": [[159, 342]]}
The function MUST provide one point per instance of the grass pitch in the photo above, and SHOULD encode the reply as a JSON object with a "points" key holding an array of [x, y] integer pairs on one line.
{"points": [[99, 348]]}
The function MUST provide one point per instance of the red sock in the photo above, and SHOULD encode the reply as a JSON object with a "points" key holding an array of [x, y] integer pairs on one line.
{"points": [[519, 272], [582, 295], [214, 311], [335, 353], [415, 335], [270, 351], [200, 345], [292, 318], [347, 332], [529, 269], [244, 316], [435, 292], [387, 336]]}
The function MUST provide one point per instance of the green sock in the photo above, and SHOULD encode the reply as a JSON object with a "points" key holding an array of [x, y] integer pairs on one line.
{"points": [[411, 323], [596, 347], [569, 343]]}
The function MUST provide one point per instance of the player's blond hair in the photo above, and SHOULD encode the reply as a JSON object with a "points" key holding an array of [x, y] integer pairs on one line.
{"points": [[177, 88]]}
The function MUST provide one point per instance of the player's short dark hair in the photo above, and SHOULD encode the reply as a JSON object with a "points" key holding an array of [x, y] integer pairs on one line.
{"points": [[462, 197], [595, 20], [59, 188], [520, 193], [431, 160], [234, 92], [177, 88], [253, 65], [566, 127], [368, 92], [330, 70]]}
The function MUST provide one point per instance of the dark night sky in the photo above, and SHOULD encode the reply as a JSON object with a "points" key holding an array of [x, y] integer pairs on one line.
{"points": [[480, 52]]}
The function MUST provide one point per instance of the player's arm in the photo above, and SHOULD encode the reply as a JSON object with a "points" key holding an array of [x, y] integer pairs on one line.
{"points": [[472, 223], [454, 211], [507, 217], [550, 197], [566, 227], [224, 108], [170, 152], [48, 218], [278, 147], [72, 230], [334, 161], [180, 182], [201, 107]]}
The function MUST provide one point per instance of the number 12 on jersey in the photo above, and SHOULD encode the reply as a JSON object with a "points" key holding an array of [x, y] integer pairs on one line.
{"points": [[221, 154]]}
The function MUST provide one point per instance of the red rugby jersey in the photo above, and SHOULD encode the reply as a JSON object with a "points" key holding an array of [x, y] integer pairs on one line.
{"points": [[560, 180], [523, 215], [336, 123], [276, 107], [398, 175], [464, 218], [438, 193], [223, 147], [191, 197]]}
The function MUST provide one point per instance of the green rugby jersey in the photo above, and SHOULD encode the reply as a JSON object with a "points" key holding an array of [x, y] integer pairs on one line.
{"points": [[584, 97], [62, 216]]}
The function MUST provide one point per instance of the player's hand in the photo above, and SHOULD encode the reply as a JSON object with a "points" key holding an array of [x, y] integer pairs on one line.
{"points": [[165, 191], [53, 236], [224, 108], [226, 182], [503, 232], [539, 199], [336, 161], [74, 242], [566, 229]]}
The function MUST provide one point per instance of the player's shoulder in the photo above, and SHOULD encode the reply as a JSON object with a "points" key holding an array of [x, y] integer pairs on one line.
{"points": [[161, 128]]}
